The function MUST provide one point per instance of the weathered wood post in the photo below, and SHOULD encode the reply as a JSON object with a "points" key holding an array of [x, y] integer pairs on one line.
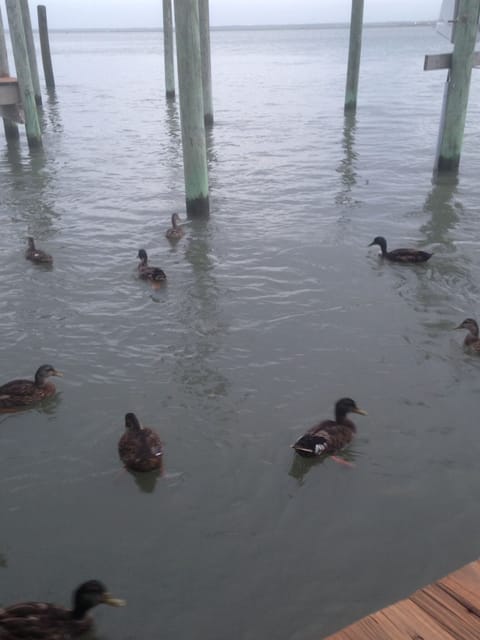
{"points": [[457, 87], [354, 51], [191, 106], [45, 46], [24, 77], [32, 57], [168, 49], [204, 15], [10, 127]]}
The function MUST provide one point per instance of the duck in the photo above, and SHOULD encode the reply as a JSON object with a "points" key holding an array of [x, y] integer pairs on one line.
{"points": [[175, 232], [330, 436], [21, 394], [37, 255], [140, 448], [406, 256], [47, 621], [472, 341], [146, 272]]}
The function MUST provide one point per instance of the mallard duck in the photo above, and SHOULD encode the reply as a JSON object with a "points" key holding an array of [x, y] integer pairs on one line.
{"points": [[175, 232], [20, 393], [140, 448], [330, 435], [145, 272], [472, 341], [37, 255], [401, 255], [46, 621]]}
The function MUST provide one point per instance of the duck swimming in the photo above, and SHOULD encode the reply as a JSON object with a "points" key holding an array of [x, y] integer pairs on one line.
{"points": [[330, 436], [175, 232], [146, 272], [406, 256], [37, 255], [46, 621], [139, 448], [472, 341], [20, 394]]}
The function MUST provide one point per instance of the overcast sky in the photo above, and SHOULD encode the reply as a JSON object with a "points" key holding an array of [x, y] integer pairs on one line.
{"points": [[148, 13]]}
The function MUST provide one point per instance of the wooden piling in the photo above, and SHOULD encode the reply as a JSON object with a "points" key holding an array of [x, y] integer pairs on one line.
{"points": [[10, 127], [191, 106], [457, 87], [24, 76], [354, 51], [204, 16], [45, 46], [168, 49], [32, 56]]}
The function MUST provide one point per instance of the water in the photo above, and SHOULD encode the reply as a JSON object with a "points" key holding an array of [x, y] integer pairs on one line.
{"points": [[274, 309]]}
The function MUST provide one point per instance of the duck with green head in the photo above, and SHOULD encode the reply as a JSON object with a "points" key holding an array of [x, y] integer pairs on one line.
{"points": [[330, 436], [404, 256], [46, 621]]}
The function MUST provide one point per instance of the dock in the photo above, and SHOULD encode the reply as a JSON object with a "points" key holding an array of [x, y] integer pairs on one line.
{"points": [[448, 609]]}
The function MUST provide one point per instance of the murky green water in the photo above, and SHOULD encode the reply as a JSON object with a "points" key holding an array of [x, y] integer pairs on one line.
{"points": [[274, 309]]}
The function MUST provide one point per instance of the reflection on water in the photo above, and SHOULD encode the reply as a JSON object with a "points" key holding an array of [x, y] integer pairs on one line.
{"points": [[347, 165], [443, 210], [3, 561], [147, 481]]}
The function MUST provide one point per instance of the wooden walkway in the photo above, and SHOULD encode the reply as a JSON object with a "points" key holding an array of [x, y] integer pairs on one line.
{"points": [[448, 609]]}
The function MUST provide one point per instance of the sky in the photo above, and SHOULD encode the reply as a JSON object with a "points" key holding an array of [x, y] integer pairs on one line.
{"points": [[148, 13]]}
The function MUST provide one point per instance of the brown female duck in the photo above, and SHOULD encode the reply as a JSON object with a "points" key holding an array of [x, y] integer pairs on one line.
{"points": [[146, 272], [37, 255], [405, 256], [330, 436], [472, 341], [46, 621], [21, 394], [139, 448], [175, 232]]}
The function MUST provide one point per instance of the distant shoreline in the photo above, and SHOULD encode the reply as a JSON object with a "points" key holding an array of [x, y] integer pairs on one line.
{"points": [[257, 27]]}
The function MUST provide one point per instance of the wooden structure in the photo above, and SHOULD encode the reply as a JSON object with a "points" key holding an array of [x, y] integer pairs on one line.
{"points": [[354, 51], [448, 609], [455, 101]]}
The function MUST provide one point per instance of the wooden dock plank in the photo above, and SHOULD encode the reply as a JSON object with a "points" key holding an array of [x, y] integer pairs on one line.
{"points": [[448, 609]]}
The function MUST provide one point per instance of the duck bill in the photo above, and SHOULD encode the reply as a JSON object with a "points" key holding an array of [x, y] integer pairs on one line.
{"points": [[459, 327], [371, 244], [57, 373], [112, 602], [362, 412]]}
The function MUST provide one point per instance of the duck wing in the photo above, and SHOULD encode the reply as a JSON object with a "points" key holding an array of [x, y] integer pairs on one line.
{"points": [[17, 388], [326, 437], [409, 255], [39, 621]]}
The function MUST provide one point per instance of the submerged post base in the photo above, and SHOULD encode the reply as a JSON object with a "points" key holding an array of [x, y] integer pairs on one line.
{"points": [[448, 165], [170, 95], [198, 206]]}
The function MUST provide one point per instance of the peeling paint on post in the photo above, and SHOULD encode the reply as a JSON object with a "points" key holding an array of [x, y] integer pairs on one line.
{"points": [[45, 46], [457, 87], [24, 77], [191, 106], [32, 57], [204, 16], [354, 51], [10, 127], [168, 49]]}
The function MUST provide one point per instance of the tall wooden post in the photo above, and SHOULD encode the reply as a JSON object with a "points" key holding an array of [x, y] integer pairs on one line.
{"points": [[32, 57], [24, 77], [45, 46], [168, 49], [10, 127], [204, 16], [354, 51], [191, 106], [457, 87]]}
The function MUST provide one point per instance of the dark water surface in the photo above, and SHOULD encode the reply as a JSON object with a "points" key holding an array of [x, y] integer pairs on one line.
{"points": [[274, 309]]}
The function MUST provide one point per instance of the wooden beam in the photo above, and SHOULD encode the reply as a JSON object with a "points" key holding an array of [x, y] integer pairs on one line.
{"points": [[444, 61]]}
